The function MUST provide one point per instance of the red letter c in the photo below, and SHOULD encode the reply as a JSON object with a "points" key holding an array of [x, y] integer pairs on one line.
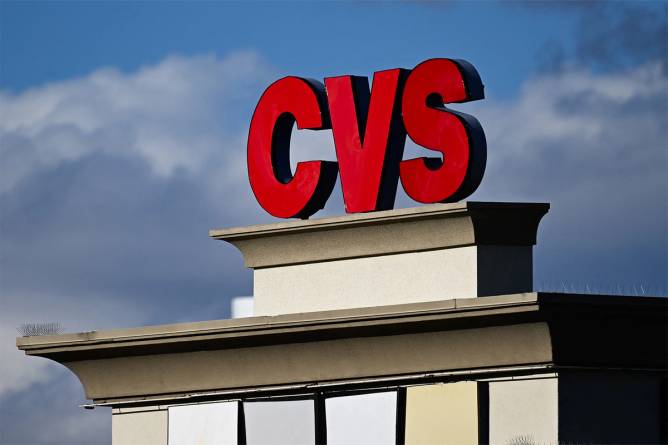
{"points": [[279, 192]]}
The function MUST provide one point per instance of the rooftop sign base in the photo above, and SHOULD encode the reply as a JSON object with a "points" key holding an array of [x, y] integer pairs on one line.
{"points": [[429, 253]]}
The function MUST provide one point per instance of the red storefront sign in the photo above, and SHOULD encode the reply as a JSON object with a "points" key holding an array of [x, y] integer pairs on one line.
{"points": [[369, 129]]}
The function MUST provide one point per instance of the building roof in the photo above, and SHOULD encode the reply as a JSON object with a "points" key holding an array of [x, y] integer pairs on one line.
{"points": [[378, 344]]}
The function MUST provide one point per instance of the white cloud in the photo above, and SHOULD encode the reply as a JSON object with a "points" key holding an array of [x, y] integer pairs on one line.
{"points": [[177, 114], [74, 313], [184, 114], [574, 130], [596, 147], [589, 111], [49, 413]]}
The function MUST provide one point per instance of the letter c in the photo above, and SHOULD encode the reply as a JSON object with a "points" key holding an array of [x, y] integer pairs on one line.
{"points": [[279, 192]]}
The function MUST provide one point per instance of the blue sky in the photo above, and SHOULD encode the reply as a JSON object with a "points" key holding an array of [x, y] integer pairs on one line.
{"points": [[122, 141], [55, 41]]}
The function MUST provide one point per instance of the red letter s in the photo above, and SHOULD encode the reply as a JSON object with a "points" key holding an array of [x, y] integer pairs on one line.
{"points": [[458, 136]]}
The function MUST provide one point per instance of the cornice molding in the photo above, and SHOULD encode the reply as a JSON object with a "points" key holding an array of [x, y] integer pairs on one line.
{"points": [[430, 227], [455, 335]]}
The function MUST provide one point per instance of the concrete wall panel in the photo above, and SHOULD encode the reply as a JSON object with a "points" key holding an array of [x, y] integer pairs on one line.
{"points": [[442, 414], [523, 412], [367, 419], [362, 282], [205, 424], [139, 428], [280, 422]]}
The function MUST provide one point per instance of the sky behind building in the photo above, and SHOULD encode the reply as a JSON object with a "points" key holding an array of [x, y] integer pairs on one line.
{"points": [[122, 141]]}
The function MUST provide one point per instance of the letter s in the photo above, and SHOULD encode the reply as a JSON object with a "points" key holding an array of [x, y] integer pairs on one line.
{"points": [[458, 136]]}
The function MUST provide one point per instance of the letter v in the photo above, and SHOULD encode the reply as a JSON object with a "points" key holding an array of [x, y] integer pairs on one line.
{"points": [[369, 137]]}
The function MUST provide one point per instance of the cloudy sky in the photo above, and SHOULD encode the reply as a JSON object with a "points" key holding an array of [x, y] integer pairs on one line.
{"points": [[122, 141]]}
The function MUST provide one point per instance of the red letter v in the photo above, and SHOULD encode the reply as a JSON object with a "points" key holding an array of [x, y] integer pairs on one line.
{"points": [[369, 137]]}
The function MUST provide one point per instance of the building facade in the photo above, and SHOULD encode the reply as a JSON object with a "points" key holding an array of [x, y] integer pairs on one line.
{"points": [[414, 326]]}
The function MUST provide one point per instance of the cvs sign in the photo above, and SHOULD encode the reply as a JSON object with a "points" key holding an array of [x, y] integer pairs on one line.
{"points": [[369, 129]]}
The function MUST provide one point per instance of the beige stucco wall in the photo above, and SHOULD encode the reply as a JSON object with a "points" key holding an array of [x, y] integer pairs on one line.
{"points": [[139, 428], [524, 411], [442, 414], [363, 282]]}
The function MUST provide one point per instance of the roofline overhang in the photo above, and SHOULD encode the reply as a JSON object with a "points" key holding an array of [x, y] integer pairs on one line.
{"points": [[460, 335]]}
